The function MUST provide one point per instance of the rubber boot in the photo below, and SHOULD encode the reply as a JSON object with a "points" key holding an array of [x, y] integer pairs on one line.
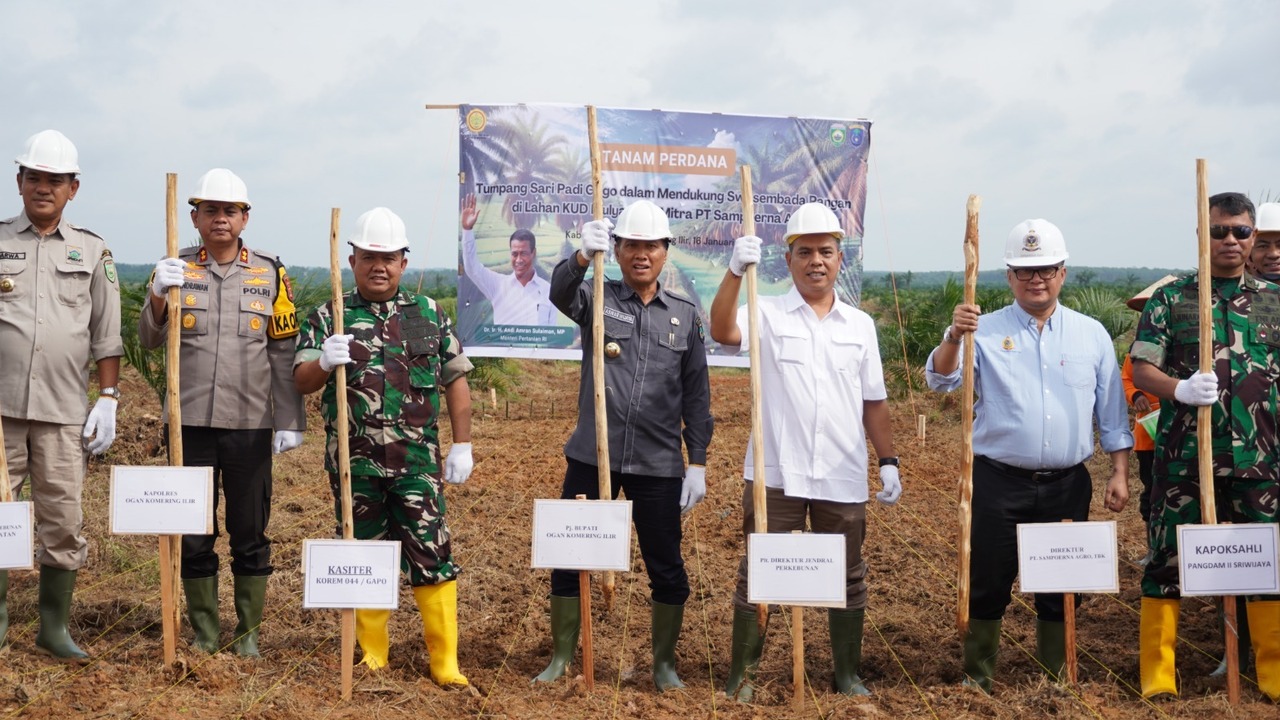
{"points": [[439, 607], [845, 627], [1157, 636], [566, 624], [202, 611], [1264, 618], [250, 594], [981, 644], [747, 645], [54, 602], [667, 621], [1051, 647], [375, 641], [1242, 641], [4, 607]]}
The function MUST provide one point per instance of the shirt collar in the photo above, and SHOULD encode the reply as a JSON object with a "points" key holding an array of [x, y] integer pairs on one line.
{"points": [[355, 299], [793, 301], [1025, 319], [24, 223], [626, 292]]}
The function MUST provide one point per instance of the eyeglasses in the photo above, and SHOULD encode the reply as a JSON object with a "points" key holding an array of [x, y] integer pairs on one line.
{"points": [[1046, 273], [1219, 232]]}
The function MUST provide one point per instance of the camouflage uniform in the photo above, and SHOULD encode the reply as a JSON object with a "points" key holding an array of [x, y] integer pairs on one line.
{"points": [[1246, 351], [404, 351]]}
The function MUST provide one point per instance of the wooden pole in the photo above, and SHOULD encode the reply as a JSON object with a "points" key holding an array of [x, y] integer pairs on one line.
{"points": [[966, 416], [342, 429], [584, 610], [1231, 646], [920, 427], [797, 652], [1069, 620], [171, 545], [597, 339], [758, 497]]}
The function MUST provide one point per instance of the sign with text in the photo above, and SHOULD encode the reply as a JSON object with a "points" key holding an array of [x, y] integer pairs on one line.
{"points": [[1075, 557], [582, 534], [16, 547], [796, 569], [1229, 559], [161, 500], [347, 574]]}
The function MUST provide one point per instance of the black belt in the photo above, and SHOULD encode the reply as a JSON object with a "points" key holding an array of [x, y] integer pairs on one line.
{"points": [[1036, 475]]}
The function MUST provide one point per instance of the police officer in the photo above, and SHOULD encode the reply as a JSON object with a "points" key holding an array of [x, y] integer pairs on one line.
{"points": [[400, 353], [656, 372], [59, 308], [236, 364]]}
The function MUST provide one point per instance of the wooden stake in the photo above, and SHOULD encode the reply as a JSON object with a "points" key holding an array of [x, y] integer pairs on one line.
{"points": [[966, 417], [342, 429], [797, 651], [584, 610], [597, 338], [6, 490], [493, 399], [171, 545], [1069, 620], [920, 425], [759, 500]]}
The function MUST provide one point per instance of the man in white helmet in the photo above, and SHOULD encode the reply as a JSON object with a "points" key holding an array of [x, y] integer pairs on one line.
{"points": [[1043, 374], [239, 404], [401, 356], [59, 308], [824, 389], [521, 298], [655, 367], [1264, 258]]}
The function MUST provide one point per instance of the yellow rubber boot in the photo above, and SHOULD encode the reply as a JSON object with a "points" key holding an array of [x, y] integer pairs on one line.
{"points": [[371, 633], [1264, 626], [439, 607], [1157, 636]]}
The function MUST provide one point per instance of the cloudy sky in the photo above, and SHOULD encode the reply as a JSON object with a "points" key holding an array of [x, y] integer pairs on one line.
{"points": [[1089, 113]]}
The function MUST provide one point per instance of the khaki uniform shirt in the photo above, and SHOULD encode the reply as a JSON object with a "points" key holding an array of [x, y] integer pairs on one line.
{"points": [[59, 308], [238, 329]]}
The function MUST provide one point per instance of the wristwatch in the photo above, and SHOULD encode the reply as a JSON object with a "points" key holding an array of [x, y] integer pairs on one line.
{"points": [[946, 337], [111, 392], [889, 461]]}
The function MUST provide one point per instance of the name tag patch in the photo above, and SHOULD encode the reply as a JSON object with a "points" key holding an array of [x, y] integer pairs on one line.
{"points": [[619, 315]]}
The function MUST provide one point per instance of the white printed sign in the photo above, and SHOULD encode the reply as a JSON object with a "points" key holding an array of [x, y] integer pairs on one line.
{"points": [[582, 534], [1075, 557], [161, 500], [344, 574], [1228, 559], [16, 547], [796, 569]]}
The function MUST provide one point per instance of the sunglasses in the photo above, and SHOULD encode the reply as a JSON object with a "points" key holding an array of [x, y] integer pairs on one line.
{"points": [[1047, 273], [1219, 232]]}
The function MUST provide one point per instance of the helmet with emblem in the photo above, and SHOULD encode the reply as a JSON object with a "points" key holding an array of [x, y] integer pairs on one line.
{"points": [[50, 151], [380, 230], [220, 185]]}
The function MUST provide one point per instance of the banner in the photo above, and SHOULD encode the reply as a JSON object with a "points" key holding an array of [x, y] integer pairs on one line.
{"points": [[525, 191]]}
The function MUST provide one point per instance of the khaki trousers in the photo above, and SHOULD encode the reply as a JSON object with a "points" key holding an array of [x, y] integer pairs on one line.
{"points": [[50, 454]]}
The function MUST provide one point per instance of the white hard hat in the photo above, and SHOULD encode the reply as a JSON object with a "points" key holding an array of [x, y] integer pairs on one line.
{"points": [[1035, 243], [220, 185], [50, 151], [642, 220], [380, 230], [1269, 217], [813, 219]]}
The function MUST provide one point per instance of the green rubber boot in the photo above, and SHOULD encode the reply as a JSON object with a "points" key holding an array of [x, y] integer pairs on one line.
{"points": [[981, 644], [747, 645], [846, 650], [202, 611], [250, 594], [1243, 642], [54, 603], [667, 620], [566, 623], [1051, 647], [4, 606]]}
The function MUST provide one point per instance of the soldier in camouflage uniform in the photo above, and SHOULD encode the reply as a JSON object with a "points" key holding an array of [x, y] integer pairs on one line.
{"points": [[400, 352], [1246, 456]]}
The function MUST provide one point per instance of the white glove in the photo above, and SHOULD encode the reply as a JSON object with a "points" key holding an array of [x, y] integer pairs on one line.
{"points": [[746, 251], [101, 422], [892, 485], [1200, 389], [694, 487], [457, 467], [285, 440], [595, 237], [169, 273], [335, 351]]}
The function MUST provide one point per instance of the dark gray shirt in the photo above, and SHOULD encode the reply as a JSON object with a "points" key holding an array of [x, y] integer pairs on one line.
{"points": [[658, 380]]}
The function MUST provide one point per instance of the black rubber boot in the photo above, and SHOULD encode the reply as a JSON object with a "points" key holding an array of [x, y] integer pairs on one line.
{"points": [[981, 644], [250, 594], [202, 611], [747, 645], [54, 603], [566, 623], [667, 620], [846, 650], [1051, 647]]}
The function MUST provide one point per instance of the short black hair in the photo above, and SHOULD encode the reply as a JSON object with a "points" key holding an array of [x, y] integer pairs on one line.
{"points": [[525, 236], [666, 242], [1234, 203]]}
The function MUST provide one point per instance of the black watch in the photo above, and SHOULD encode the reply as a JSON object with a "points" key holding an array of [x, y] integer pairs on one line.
{"points": [[889, 461]]}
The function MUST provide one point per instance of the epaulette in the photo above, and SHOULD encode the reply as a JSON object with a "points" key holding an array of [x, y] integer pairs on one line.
{"points": [[86, 231], [268, 256]]}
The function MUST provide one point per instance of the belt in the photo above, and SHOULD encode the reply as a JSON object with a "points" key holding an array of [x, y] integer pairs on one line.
{"points": [[1036, 475]]}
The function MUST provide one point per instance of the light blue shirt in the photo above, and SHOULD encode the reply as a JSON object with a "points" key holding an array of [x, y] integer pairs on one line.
{"points": [[1039, 392]]}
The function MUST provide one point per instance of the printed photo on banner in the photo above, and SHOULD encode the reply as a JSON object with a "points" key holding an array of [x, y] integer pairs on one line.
{"points": [[525, 190]]}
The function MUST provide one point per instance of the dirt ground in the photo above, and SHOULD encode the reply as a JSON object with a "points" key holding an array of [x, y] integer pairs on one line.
{"points": [[911, 652]]}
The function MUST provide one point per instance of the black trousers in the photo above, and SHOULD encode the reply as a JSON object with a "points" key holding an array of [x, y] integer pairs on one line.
{"points": [[1001, 500], [655, 512], [241, 462], [1146, 459]]}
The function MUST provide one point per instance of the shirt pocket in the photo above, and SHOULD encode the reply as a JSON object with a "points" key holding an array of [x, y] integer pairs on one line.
{"points": [[254, 316], [14, 279], [794, 346], [423, 361], [1078, 371], [672, 343], [848, 352], [73, 283]]}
